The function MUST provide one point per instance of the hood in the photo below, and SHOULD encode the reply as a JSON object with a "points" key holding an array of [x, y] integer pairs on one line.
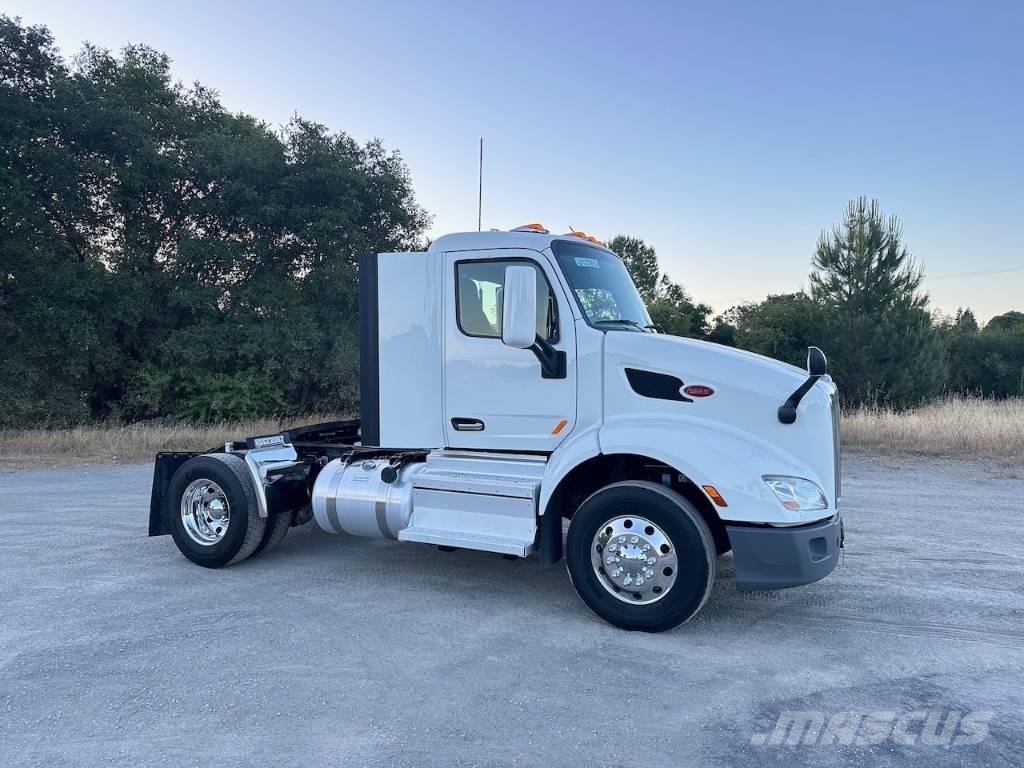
{"points": [[699, 393], [705, 363]]}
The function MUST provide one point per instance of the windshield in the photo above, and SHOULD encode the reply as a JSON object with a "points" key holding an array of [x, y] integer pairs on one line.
{"points": [[603, 288]]}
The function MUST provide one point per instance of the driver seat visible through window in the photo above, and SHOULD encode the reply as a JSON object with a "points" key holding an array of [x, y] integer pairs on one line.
{"points": [[471, 310], [480, 290]]}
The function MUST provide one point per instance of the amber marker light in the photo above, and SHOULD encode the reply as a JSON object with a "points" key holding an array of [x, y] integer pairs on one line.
{"points": [[715, 495]]}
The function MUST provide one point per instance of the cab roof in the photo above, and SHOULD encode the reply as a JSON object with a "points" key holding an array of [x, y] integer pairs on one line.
{"points": [[479, 241]]}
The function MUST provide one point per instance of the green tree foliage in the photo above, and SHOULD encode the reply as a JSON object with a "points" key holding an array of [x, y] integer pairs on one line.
{"points": [[641, 261], [781, 326], [987, 361], [160, 255], [1009, 321], [881, 344], [670, 306], [966, 321]]}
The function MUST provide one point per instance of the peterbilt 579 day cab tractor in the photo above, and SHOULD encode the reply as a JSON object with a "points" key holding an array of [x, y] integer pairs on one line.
{"points": [[513, 380]]}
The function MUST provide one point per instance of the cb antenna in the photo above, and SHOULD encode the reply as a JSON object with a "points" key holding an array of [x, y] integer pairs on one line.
{"points": [[480, 190]]}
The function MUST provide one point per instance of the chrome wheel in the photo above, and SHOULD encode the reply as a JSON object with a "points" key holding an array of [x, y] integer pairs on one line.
{"points": [[634, 560], [205, 513]]}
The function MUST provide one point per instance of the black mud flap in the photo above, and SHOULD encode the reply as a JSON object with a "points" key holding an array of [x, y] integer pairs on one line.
{"points": [[164, 467], [549, 531]]}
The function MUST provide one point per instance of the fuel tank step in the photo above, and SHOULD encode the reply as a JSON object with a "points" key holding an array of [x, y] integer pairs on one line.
{"points": [[506, 545], [476, 501]]}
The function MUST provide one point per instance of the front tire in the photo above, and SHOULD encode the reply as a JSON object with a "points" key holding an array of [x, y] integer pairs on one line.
{"points": [[212, 512], [613, 539]]}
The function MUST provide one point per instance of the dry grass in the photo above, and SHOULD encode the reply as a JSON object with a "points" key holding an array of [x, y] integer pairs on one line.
{"points": [[108, 444], [957, 427]]}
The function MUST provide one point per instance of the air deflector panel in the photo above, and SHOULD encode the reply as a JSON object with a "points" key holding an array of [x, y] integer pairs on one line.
{"points": [[658, 386]]}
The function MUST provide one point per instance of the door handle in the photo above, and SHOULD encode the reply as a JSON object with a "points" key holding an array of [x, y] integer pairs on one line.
{"points": [[467, 425]]}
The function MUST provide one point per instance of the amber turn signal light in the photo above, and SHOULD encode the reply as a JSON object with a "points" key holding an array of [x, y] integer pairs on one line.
{"points": [[715, 495]]}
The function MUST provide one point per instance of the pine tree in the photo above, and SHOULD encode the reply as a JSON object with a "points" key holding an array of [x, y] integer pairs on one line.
{"points": [[883, 346], [965, 321]]}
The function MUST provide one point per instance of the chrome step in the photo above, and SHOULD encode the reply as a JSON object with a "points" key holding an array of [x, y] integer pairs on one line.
{"points": [[504, 524], [477, 482]]}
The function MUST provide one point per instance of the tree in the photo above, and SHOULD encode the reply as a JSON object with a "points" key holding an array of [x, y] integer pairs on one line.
{"points": [[965, 321], [162, 256], [642, 263], [1006, 322], [989, 361], [668, 303], [674, 312], [781, 326], [881, 341]]}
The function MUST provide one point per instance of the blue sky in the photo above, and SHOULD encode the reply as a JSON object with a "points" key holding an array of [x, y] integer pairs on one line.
{"points": [[727, 135]]}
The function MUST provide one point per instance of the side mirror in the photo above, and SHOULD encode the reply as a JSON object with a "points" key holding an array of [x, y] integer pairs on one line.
{"points": [[519, 307], [817, 365]]}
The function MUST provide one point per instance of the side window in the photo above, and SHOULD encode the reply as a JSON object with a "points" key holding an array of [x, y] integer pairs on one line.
{"points": [[479, 287]]}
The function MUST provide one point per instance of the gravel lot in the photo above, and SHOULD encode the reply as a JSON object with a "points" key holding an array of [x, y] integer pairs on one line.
{"points": [[335, 651]]}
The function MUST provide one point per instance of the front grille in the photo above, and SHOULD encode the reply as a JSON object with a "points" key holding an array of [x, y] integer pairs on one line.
{"points": [[836, 417]]}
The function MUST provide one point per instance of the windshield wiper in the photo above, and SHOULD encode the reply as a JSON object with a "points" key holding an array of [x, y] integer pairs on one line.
{"points": [[624, 321]]}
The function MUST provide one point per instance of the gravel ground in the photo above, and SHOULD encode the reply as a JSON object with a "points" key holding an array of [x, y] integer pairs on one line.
{"points": [[335, 651]]}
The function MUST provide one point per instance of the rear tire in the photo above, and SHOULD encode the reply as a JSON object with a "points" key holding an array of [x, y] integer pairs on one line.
{"points": [[613, 538], [277, 527], [212, 512]]}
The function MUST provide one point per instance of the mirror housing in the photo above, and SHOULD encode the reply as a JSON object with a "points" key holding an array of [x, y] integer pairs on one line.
{"points": [[817, 364], [519, 307]]}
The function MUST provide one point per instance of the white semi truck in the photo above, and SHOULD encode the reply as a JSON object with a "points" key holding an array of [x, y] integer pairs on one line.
{"points": [[512, 382]]}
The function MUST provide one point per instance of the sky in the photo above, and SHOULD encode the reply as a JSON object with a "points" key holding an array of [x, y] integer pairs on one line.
{"points": [[727, 135]]}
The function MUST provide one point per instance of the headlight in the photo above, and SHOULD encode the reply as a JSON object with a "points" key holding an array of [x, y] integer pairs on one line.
{"points": [[795, 493]]}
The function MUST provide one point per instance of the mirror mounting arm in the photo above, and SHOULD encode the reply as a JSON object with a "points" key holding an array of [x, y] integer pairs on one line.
{"points": [[552, 361], [817, 366], [787, 411]]}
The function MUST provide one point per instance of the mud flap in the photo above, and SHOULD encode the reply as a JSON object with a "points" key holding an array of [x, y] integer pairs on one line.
{"points": [[164, 467]]}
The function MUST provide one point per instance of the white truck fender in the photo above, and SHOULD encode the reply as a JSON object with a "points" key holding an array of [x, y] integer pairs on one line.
{"points": [[570, 454], [707, 453]]}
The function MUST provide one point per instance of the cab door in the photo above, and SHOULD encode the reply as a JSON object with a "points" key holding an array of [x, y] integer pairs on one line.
{"points": [[496, 397]]}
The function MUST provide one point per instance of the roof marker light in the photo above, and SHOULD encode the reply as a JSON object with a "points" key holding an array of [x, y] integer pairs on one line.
{"points": [[538, 228], [585, 236]]}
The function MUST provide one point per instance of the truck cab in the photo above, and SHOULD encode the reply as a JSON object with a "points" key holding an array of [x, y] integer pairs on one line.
{"points": [[513, 381]]}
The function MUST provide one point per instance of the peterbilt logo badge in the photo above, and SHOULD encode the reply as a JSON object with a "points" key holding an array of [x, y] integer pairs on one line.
{"points": [[698, 390]]}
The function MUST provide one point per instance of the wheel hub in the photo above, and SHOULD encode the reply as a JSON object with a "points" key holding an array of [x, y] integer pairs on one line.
{"points": [[634, 559], [205, 513]]}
